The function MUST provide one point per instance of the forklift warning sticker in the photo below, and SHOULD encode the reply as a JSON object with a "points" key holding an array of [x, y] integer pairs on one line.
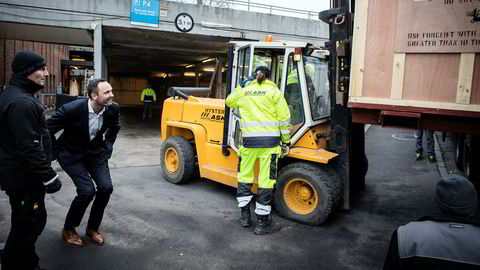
{"points": [[215, 115], [438, 26]]}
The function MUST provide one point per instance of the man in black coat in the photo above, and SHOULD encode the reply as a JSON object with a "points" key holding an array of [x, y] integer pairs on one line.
{"points": [[449, 240], [90, 127], [25, 171]]}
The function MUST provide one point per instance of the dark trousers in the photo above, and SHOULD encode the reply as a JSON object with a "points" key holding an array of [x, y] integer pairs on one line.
{"points": [[28, 221], [82, 173], [147, 110]]}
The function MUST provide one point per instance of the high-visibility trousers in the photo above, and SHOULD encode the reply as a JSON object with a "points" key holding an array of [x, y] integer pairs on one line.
{"points": [[268, 159]]}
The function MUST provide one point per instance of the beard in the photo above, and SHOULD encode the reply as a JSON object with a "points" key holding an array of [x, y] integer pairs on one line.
{"points": [[106, 102]]}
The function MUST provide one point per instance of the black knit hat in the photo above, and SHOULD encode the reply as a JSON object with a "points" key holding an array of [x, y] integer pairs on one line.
{"points": [[27, 62], [265, 70], [456, 195]]}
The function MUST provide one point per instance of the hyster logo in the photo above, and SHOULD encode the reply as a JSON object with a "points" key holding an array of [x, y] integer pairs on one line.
{"points": [[213, 115]]}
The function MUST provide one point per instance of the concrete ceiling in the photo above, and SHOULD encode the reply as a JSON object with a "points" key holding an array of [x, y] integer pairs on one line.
{"points": [[131, 50], [30, 32]]}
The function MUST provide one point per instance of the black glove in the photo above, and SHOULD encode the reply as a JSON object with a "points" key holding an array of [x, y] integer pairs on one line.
{"points": [[54, 186], [285, 149]]}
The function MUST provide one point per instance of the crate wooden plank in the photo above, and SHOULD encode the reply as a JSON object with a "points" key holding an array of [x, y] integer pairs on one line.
{"points": [[378, 60], [431, 77], [358, 53], [398, 72], [465, 78], [475, 98], [415, 103]]}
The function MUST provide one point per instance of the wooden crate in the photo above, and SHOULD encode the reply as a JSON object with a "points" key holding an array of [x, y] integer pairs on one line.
{"points": [[127, 90], [416, 55]]}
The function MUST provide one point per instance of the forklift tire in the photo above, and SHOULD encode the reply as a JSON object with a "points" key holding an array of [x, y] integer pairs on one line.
{"points": [[307, 193], [459, 141], [177, 160], [471, 161]]}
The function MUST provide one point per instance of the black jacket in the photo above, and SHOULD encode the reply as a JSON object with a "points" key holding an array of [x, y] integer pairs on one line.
{"points": [[436, 242], [74, 143], [24, 139]]}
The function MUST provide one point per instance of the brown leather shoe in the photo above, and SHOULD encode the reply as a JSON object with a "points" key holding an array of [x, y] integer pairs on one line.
{"points": [[96, 237], [71, 238]]}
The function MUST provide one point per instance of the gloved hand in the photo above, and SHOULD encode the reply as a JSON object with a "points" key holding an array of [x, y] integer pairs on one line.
{"points": [[285, 149], [54, 186]]}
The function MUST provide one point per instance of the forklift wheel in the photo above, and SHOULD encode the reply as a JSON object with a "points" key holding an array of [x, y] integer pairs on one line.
{"points": [[459, 144], [177, 160], [307, 193], [471, 160]]}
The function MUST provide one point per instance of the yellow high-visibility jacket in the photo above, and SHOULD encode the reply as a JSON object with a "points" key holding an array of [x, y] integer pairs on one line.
{"points": [[148, 95], [265, 117]]}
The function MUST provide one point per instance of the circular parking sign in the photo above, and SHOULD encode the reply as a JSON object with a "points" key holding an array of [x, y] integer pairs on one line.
{"points": [[184, 22]]}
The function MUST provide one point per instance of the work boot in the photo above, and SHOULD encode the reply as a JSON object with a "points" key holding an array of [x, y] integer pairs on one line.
{"points": [[431, 158], [245, 216], [418, 155], [265, 225]]}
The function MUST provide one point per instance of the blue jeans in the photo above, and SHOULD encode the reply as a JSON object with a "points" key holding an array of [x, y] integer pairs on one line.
{"points": [[430, 141]]}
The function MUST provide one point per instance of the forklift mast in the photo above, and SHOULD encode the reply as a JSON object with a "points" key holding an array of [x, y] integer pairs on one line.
{"points": [[349, 139]]}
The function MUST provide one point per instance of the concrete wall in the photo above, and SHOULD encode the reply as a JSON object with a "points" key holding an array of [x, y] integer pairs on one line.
{"points": [[233, 23]]}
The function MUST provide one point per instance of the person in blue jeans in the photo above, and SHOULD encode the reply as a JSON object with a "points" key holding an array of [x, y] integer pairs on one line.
{"points": [[430, 145]]}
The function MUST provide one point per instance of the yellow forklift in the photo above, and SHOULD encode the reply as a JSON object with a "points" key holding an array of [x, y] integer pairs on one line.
{"points": [[203, 134]]}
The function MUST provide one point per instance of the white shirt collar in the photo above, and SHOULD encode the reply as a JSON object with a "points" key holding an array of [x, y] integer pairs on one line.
{"points": [[90, 108]]}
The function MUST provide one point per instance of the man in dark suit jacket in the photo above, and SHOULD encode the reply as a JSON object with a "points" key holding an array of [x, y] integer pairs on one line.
{"points": [[90, 127]]}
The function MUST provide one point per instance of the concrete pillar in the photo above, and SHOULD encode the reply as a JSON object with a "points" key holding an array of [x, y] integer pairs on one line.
{"points": [[220, 92], [197, 76], [98, 57]]}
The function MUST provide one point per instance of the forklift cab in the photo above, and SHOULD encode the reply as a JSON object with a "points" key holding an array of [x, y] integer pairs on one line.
{"points": [[299, 70]]}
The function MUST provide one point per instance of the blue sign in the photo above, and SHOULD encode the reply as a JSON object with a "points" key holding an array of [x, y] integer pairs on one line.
{"points": [[145, 12]]}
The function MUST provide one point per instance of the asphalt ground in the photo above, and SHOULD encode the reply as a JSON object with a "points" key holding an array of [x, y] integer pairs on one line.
{"points": [[152, 224]]}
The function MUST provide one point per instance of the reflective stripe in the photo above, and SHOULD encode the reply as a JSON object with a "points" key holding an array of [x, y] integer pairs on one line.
{"points": [[244, 200], [285, 132], [259, 124], [262, 209], [260, 134], [263, 124]]}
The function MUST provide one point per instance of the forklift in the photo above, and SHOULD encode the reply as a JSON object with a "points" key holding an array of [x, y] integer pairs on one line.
{"points": [[326, 160]]}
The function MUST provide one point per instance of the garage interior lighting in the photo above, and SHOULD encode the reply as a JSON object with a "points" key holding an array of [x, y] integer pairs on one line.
{"points": [[160, 74], [189, 74], [208, 60], [189, 66], [211, 69]]}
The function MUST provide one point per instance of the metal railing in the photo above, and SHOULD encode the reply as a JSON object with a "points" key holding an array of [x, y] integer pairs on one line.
{"points": [[255, 7]]}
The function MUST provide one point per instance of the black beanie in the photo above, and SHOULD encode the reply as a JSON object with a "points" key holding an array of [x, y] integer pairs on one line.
{"points": [[265, 70], [25, 63], [456, 195]]}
